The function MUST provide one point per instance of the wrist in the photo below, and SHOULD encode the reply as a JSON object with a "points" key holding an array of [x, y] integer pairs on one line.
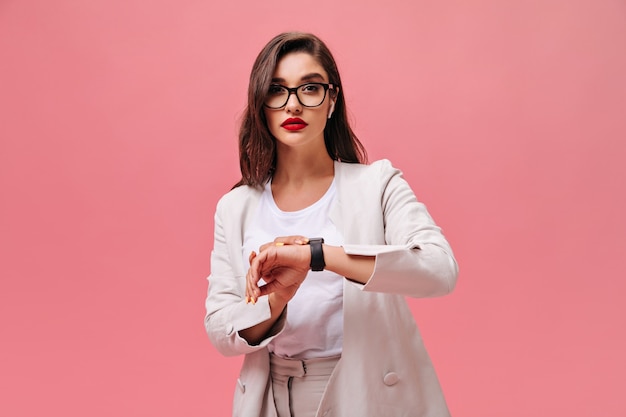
{"points": [[277, 304], [317, 254]]}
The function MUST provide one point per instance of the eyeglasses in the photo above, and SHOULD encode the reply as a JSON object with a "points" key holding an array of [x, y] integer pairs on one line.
{"points": [[309, 95]]}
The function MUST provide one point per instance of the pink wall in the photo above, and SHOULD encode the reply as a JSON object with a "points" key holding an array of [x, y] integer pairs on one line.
{"points": [[117, 137]]}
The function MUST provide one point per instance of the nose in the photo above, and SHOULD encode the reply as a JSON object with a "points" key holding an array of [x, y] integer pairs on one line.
{"points": [[293, 104]]}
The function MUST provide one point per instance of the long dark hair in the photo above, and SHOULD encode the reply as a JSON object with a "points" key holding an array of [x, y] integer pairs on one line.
{"points": [[257, 147]]}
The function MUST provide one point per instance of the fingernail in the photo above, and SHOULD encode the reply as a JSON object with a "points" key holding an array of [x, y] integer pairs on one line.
{"points": [[247, 300], [253, 301], [298, 242], [279, 243]]}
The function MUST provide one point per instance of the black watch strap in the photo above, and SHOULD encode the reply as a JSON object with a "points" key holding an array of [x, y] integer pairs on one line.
{"points": [[317, 254]]}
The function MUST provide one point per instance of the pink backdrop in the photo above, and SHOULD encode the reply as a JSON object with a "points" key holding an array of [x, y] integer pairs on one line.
{"points": [[118, 122]]}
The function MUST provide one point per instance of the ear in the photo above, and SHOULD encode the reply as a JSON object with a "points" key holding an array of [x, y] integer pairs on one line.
{"points": [[333, 96]]}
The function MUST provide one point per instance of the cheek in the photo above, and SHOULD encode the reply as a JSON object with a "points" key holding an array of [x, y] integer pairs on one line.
{"points": [[323, 115]]}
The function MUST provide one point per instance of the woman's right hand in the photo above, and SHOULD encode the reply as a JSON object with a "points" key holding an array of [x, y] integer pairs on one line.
{"points": [[286, 240], [283, 264]]}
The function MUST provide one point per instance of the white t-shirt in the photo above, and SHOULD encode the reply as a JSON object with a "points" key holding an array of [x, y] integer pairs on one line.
{"points": [[314, 326]]}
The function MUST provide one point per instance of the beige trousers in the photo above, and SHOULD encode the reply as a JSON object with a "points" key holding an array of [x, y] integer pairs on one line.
{"points": [[298, 385]]}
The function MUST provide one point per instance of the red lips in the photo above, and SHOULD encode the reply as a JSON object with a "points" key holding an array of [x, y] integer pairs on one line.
{"points": [[294, 123]]}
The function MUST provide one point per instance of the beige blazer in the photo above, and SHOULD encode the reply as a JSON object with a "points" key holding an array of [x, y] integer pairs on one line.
{"points": [[384, 370]]}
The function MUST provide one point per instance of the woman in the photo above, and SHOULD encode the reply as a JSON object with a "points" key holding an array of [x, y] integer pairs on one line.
{"points": [[314, 252]]}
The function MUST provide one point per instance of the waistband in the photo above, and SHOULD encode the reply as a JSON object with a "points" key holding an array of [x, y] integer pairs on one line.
{"points": [[302, 367]]}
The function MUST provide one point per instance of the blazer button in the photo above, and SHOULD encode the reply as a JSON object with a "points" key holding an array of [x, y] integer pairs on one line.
{"points": [[229, 329], [391, 378]]}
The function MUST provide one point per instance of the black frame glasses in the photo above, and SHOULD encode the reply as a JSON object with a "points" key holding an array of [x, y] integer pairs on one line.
{"points": [[294, 90]]}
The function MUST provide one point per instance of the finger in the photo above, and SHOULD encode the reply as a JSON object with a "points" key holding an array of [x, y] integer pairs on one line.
{"points": [[252, 279], [269, 288], [293, 240], [268, 245], [249, 278], [286, 240], [258, 270], [248, 287], [301, 240], [285, 293]]}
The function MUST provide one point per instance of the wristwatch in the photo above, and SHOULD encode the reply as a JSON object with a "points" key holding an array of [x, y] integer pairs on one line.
{"points": [[317, 254]]}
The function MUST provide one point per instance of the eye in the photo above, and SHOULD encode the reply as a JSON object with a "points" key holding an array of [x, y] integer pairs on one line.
{"points": [[310, 88], [276, 90]]}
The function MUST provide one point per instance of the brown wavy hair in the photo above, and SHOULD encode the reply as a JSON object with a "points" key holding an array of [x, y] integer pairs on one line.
{"points": [[257, 146]]}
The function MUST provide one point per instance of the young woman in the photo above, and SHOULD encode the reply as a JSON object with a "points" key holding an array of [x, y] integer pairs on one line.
{"points": [[314, 253]]}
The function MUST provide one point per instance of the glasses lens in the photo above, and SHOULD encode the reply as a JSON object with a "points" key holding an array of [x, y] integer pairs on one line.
{"points": [[276, 96], [311, 95]]}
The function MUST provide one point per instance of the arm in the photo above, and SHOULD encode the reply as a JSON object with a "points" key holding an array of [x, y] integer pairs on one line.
{"points": [[424, 271], [227, 313], [358, 268], [415, 259]]}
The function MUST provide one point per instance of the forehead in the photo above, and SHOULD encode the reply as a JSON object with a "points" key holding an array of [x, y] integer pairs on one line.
{"points": [[299, 66]]}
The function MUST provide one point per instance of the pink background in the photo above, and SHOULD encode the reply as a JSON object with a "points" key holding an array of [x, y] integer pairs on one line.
{"points": [[118, 124]]}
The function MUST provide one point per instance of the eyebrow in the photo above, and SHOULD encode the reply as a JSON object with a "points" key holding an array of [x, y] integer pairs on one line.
{"points": [[309, 77]]}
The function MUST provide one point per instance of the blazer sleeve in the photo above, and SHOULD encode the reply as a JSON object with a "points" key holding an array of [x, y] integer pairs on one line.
{"points": [[416, 259], [226, 310]]}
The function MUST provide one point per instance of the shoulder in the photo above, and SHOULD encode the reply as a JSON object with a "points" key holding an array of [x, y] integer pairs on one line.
{"points": [[238, 198], [377, 172]]}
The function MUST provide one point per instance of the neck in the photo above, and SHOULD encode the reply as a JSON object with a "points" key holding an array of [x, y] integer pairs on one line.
{"points": [[297, 167]]}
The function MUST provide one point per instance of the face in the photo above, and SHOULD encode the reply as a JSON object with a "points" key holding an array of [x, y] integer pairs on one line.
{"points": [[295, 125]]}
